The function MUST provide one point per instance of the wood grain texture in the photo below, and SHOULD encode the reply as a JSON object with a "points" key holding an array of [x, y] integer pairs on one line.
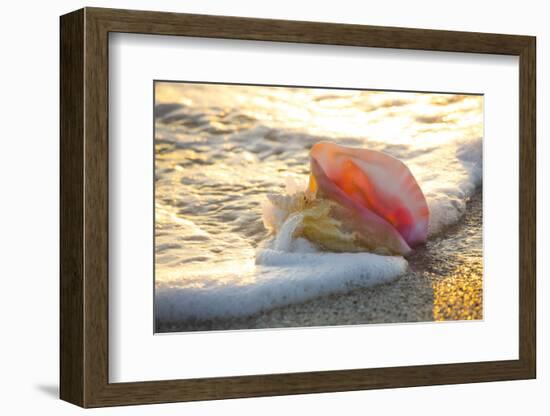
{"points": [[71, 208], [226, 27], [84, 207], [527, 207], [96, 208]]}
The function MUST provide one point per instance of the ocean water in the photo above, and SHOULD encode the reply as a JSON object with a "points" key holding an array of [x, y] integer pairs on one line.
{"points": [[221, 149]]}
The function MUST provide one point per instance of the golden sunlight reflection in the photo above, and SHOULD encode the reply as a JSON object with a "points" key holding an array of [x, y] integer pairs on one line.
{"points": [[459, 296], [393, 117]]}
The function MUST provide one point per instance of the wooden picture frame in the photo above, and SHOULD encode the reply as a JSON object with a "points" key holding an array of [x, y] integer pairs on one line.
{"points": [[84, 207]]}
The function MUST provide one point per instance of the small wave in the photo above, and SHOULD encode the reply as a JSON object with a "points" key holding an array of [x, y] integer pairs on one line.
{"points": [[287, 271], [282, 279]]}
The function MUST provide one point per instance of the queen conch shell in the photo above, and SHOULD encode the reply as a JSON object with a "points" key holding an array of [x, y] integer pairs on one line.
{"points": [[371, 195], [356, 200]]}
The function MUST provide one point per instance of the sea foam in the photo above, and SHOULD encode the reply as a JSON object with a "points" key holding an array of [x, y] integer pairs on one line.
{"points": [[287, 271], [282, 278]]}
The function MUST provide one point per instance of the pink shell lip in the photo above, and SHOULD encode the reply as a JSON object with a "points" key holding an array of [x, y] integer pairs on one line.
{"points": [[377, 186], [380, 225]]}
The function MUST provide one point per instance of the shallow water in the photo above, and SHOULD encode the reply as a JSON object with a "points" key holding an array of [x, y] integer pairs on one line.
{"points": [[444, 282], [221, 149]]}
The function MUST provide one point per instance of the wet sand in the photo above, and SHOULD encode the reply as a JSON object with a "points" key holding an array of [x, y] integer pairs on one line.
{"points": [[445, 282]]}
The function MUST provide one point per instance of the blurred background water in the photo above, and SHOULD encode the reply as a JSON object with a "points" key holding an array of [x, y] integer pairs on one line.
{"points": [[220, 149]]}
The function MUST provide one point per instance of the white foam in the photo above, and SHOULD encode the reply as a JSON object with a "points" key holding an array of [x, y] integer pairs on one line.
{"points": [[282, 278], [288, 270], [448, 179]]}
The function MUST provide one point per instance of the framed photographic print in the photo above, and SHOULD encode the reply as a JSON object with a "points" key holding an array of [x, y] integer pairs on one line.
{"points": [[255, 207]]}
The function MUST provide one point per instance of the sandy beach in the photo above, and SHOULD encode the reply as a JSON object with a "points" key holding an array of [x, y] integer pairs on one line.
{"points": [[444, 282]]}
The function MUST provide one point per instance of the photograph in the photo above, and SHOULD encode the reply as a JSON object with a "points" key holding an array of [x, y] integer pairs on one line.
{"points": [[280, 206]]}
